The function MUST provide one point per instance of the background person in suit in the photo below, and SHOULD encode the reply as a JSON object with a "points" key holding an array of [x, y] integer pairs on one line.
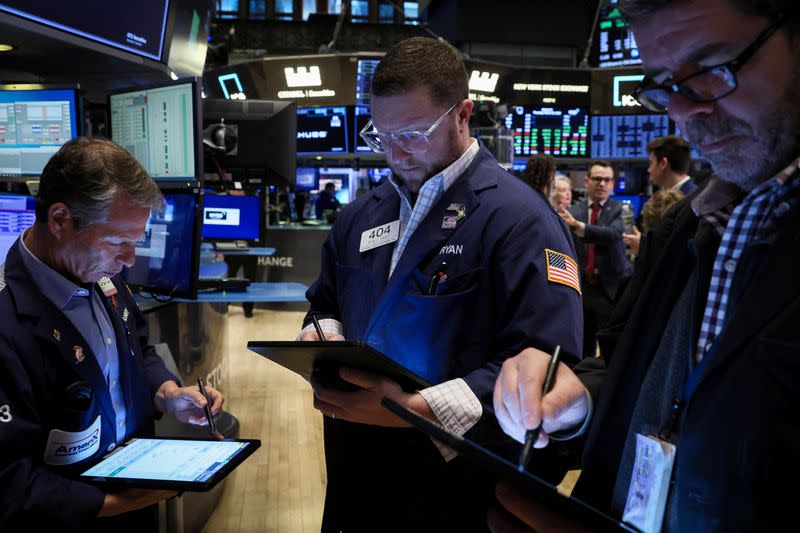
{"points": [[597, 228], [670, 158]]}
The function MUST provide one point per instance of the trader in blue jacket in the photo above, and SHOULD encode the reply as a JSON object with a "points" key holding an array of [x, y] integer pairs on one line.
{"points": [[77, 375], [448, 268]]}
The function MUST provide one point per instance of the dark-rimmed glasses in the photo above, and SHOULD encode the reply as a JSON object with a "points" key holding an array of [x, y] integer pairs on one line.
{"points": [[707, 85], [408, 141]]}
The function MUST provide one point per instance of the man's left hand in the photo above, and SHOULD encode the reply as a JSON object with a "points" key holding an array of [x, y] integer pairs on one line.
{"points": [[571, 221], [186, 403], [364, 405]]}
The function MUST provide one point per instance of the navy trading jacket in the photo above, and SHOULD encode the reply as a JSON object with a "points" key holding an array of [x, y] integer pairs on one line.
{"points": [[56, 416], [497, 299]]}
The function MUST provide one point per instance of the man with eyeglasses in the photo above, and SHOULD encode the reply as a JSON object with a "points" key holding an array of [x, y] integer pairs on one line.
{"points": [[597, 227], [706, 370], [449, 267]]}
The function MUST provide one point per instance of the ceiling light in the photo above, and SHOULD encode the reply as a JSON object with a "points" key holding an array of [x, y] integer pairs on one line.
{"points": [[6, 47]]}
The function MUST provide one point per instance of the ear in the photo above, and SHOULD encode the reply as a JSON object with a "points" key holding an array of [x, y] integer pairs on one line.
{"points": [[663, 163], [59, 221], [465, 112]]}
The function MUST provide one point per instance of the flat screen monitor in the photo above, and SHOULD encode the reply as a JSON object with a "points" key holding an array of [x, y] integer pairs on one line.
{"points": [[361, 116], [306, 179], [227, 217], [364, 72], [626, 136], [322, 130], [635, 201], [160, 126], [560, 132], [136, 27], [266, 132], [34, 123], [614, 44], [167, 256], [17, 213]]}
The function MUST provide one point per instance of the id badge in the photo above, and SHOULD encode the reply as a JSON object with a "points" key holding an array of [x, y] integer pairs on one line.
{"points": [[649, 488], [379, 236]]}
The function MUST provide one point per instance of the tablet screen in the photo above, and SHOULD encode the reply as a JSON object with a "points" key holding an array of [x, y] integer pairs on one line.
{"points": [[168, 460]]}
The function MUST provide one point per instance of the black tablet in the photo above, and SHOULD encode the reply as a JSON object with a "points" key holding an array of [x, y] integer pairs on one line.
{"points": [[183, 464], [323, 360], [590, 517]]}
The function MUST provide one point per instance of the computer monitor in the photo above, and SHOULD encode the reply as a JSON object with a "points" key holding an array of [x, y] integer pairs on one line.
{"points": [[227, 217], [614, 43], [306, 179], [322, 130], [626, 136], [167, 256], [160, 126], [35, 120], [266, 133], [549, 130], [17, 213], [560, 132]]}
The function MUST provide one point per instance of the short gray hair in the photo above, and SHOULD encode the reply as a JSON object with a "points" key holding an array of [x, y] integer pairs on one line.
{"points": [[86, 174], [559, 177]]}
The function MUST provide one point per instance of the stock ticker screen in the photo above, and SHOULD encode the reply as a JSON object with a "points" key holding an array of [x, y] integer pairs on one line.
{"points": [[615, 45], [548, 130], [626, 136], [365, 69]]}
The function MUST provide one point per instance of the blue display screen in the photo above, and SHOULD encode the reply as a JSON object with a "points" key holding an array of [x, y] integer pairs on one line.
{"points": [[362, 116], [626, 136], [17, 213], [165, 256], [33, 126], [231, 217]]}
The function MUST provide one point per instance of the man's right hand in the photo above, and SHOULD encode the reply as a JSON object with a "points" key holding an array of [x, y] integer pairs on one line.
{"points": [[312, 336], [518, 402], [132, 500]]}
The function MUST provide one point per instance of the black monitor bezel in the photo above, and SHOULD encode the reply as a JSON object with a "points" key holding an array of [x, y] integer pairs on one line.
{"points": [[191, 292], [78, 110], [197, 108]]}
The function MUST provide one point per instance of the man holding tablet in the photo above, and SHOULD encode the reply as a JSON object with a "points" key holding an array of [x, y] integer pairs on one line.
{"points": [[448, 268], [77, 376]]}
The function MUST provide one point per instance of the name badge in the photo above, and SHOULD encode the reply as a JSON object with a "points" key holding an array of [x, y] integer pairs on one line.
{"points": [[649, 489], [67, 447], [107, 286], [379, 236]]}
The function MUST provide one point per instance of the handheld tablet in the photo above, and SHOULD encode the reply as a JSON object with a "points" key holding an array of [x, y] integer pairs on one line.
{"points": [[546, 493], [192, 465], [323, 360]]}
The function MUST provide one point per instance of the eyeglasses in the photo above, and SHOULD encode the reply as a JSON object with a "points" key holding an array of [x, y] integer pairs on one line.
{"points": [[707, 85], [408, 141], [598, 180]]}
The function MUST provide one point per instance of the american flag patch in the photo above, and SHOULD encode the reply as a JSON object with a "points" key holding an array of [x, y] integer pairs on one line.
{"points": [[562, 269]]}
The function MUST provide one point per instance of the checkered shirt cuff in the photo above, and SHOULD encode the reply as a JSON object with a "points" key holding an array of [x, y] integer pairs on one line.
{"points": [[456, 407], [330, 326]]}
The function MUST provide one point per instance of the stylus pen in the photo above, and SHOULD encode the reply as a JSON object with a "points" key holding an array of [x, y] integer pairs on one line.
{"points": [[211, 426], [533, 434], [317, 327]]}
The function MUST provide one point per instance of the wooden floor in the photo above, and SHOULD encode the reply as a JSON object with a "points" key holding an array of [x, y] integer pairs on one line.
{"points": [[282, 486]]}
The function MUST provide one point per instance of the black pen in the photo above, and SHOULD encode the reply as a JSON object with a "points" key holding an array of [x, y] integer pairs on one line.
{"points": [[317, 327], [533, 434], [211, 426]]}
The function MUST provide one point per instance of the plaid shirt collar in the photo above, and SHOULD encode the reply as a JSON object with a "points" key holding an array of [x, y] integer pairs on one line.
{"points": [[740, 223], [429, 194]]}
